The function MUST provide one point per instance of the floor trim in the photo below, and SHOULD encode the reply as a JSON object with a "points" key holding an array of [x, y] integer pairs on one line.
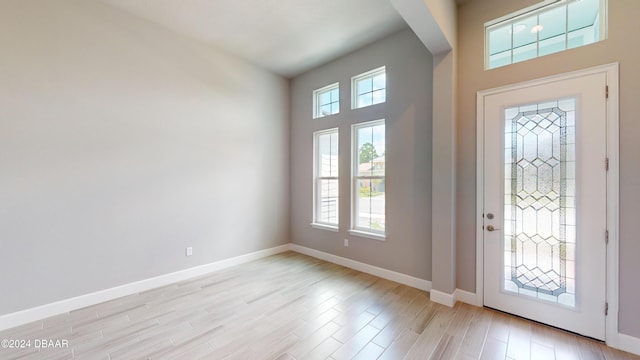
{"points": [[11, 320], [467, 297], [442, 298], [625, 342], [366, 268], [435, 295], [620, 341]]}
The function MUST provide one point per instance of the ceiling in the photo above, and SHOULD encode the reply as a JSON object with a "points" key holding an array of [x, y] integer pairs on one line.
{"points": [[287, 37]]}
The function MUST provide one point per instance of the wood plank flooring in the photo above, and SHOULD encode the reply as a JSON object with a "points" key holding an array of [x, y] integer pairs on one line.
{"points": [[291, 306]]}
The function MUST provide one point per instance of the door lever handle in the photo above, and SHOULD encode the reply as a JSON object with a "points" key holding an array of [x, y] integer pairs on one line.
{"points": [[491, 228]]}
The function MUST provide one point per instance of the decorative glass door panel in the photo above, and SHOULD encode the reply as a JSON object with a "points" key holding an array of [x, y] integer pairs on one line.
{"points": [[544, 200], [539, 210]]}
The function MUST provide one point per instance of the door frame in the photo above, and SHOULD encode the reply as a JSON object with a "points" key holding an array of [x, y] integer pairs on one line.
{"points": [[611, 70]]}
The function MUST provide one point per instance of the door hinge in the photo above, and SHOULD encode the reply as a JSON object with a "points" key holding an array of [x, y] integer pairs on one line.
{"points": [[606, 309], [606, 164], [606, 237], [606, 92]]}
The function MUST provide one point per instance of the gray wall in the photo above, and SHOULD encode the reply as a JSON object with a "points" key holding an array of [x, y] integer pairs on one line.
{"points": [[121, 144], [620, 47], [407, 111]]}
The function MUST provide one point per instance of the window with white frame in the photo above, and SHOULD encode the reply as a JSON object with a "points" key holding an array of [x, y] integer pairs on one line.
{"points": [[326, 101], [369, 88], [325, 183], [546, 28], [368, 179]]}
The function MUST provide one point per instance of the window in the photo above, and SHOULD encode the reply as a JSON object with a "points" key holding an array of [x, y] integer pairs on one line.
{"points": [[368, 186], [325, 184], [369, 88], [326, 101], [555, 26]]}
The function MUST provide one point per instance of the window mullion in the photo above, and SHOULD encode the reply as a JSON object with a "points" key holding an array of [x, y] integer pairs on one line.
{"points": [[590, 16]]}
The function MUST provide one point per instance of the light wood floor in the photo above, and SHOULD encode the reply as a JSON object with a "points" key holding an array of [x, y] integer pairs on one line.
{"points": [[290, 306]]}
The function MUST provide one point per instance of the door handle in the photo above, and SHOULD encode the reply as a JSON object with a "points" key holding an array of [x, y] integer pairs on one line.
{"points": [[491, 228]]}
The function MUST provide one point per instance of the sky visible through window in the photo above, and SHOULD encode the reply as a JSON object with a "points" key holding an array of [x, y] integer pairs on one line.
{"points": [[372, 90], [550, 29], [374, 135], [330, 102]]}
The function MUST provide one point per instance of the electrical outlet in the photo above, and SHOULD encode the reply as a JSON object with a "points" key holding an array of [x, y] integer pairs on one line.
{"points": [[346, 242], [189, 251]]}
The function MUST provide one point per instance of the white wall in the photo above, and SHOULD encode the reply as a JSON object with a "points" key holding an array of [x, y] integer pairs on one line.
{"points": [[121, 144]]}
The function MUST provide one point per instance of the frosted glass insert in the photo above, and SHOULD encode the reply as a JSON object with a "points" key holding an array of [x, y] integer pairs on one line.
{"points": [[539, 214]]}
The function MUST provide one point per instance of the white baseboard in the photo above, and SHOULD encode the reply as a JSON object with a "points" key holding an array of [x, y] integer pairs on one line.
{"points": [[467, 297], [366, 268], [442, 298], [435, 296], [451, 299], [626, 343], [618, 340], [11, 320], [621, 341]]}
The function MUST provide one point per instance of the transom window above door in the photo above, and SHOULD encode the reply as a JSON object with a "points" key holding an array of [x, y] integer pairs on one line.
{"points": [[546, 28]]}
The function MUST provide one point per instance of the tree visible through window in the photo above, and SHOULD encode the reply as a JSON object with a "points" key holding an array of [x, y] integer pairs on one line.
{"points": [[369, 177], [367, 153]]}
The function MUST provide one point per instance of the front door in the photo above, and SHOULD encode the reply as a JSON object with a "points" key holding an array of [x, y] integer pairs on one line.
{"points": [[545, 202]]}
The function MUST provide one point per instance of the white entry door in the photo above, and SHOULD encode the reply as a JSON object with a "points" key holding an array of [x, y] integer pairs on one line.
{"points": [[545, 202]]}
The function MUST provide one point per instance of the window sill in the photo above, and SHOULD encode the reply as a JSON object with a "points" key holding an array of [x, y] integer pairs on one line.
{"points": [[369, 235], [325, 227]]}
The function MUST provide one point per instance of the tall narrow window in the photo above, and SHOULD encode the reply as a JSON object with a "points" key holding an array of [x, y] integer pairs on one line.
{"points": [[326, 101], [369, 88], [325, 184], [368, 187], [544, 29]]}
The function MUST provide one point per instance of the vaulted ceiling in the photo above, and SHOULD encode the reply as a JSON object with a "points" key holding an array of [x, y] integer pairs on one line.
{"points": [[287, 37]]}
